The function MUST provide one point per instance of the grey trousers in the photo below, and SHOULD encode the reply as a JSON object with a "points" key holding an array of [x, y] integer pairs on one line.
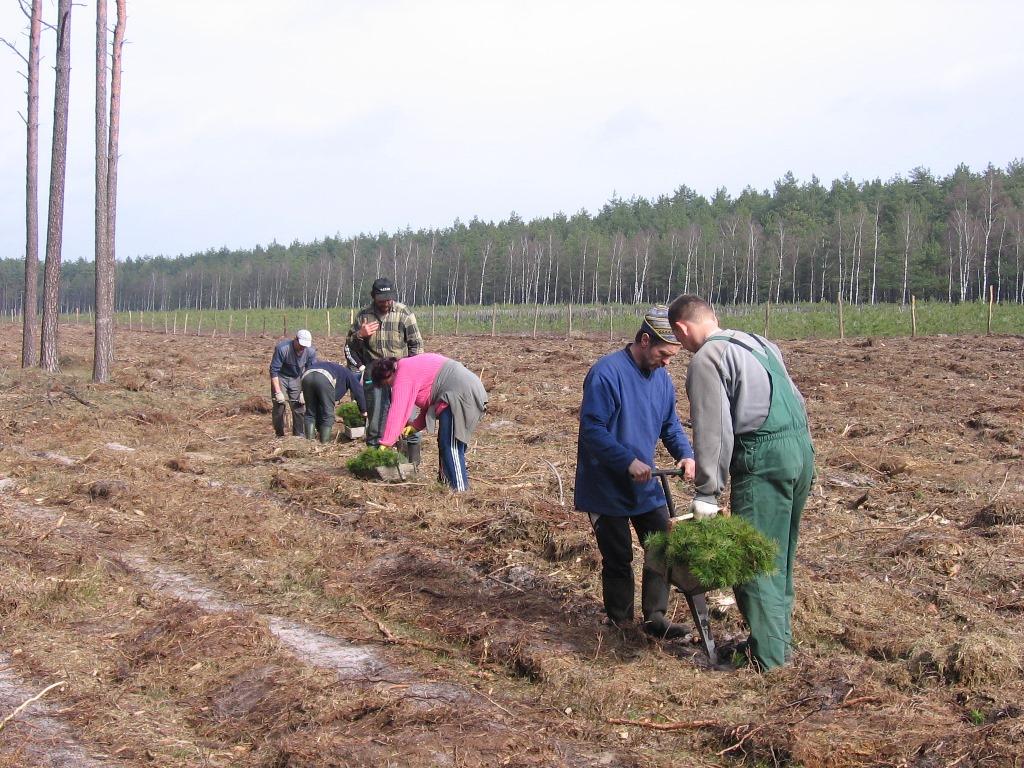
{"points": [[292, 388]]}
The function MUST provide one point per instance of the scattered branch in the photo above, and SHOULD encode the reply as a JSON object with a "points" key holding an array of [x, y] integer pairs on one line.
{"points": [[864, 464], [51, 529], [996, 494], [391, 639], [743, 738], [75, 396], [561, 493], [676, 726], [21, 707]]}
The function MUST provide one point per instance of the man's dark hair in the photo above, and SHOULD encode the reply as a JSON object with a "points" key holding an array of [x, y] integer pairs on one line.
{"points": [[688, 308], [656, 341]]}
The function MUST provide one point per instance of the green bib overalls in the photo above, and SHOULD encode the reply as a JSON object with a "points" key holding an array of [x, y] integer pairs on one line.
{"points": [[771, 471]]}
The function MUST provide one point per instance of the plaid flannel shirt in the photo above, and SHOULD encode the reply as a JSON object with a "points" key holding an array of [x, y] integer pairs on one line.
{"points": [[398, 335]]}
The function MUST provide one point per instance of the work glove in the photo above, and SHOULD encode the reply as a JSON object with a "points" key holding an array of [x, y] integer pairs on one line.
{"points": [[409, 431], [279, 397], [702, 510], [302, 398]]}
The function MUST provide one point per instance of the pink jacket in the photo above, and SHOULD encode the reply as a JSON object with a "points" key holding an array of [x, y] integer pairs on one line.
{"points": [[414, 379]]}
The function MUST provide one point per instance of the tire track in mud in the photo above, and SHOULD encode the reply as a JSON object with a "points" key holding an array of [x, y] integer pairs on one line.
{"points": [[38, 735], [536, 633], [479, 718]]}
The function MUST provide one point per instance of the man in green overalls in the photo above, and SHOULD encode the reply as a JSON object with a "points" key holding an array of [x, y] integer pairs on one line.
{"points": [[749, 423]]}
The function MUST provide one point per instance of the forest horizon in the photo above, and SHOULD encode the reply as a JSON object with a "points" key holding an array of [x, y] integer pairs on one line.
{"points": [[952, 238]]}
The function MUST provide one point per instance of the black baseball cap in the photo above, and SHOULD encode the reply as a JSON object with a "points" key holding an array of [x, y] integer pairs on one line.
{"points": [[382, 286]]}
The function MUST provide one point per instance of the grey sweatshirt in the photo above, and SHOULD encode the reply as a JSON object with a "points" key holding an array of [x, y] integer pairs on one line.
{"points": [[729, 393], [462, 389]]}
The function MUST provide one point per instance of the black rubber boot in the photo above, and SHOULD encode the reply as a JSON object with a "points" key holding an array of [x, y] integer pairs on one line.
{"points": [[618, 598], [654, 602], [658, 626]]}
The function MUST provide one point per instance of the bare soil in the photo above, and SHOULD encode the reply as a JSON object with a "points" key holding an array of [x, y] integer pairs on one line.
{"points": [[216, 596]]}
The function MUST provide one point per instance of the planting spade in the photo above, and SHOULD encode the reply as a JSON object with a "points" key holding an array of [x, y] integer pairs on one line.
{"points": [[683, 580]]}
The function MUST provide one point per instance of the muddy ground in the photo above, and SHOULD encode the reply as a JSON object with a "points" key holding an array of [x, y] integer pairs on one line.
{"points": [[214, 596]]}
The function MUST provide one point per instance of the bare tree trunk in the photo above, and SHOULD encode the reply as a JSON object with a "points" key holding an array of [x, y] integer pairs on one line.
{"points": [[840, 263], [874, 258], [999, 262], [796, 260], [58, 167], [989, 220], [906, 260], [113, 141], [1019, 280], [824, 268], [483, 272], [355, 247], [103, 336], [430, 270], [671, 267], [29, 339], [782, 251]]}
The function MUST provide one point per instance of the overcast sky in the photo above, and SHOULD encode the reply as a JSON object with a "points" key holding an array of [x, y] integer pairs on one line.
{"points": [[246, 121]]}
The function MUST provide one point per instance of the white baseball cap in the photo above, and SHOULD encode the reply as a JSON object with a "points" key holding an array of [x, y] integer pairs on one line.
{"points": [[305, 338]]}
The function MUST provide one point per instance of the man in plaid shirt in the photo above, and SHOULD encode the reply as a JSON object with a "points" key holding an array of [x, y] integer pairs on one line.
{"points": [[386, 328]]}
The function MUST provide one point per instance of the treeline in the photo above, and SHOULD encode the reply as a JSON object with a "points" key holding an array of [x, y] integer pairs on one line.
{"points": [[950, 239]]}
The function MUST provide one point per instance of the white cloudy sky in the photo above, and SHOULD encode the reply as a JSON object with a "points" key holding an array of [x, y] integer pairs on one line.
{"points": [[245, 121]]}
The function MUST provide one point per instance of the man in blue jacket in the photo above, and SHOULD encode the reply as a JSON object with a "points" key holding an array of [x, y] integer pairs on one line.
{"points": [[628, 405]]}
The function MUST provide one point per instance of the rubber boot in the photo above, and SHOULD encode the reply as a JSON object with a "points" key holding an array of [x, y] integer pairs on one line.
{"points": [[411, 449], [618, 598], [663, 629], [654, 603], [325, 434], [310, 431]]}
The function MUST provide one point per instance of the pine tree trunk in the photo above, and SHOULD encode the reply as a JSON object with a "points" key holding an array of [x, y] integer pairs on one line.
{"points": [[29, 339], [58, 168], [103, 335]]}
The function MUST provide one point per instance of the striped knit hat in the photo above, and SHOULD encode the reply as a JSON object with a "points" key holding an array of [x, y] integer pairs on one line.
{"points": [[656, 324]]}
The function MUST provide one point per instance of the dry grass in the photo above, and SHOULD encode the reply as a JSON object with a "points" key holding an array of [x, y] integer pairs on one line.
{"points": [[908, 639]]}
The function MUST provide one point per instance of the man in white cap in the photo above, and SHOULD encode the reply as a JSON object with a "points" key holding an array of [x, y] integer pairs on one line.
{"points": [[291, 359]]}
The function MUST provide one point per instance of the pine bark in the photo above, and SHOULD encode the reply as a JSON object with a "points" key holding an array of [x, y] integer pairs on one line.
{"points": [[58, 168], [103, 334], [30, 339], [106, 166]]}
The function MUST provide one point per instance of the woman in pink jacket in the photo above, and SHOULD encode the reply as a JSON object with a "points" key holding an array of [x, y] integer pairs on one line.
{"points": [[445, 391]]}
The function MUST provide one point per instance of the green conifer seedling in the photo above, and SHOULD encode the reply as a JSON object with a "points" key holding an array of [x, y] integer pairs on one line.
{"points": [[720, 551], [350, 415], [369, 459]]}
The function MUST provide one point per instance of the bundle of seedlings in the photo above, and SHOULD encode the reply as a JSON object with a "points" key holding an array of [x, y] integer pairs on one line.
{"points": [[717, 552], [350, 415], [365, 464]]}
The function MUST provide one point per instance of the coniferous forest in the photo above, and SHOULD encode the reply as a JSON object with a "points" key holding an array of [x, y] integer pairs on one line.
{"points": [[953, 239]]}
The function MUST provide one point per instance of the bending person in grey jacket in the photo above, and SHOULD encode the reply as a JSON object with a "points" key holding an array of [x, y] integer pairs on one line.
{"points": [[291, 359]]}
